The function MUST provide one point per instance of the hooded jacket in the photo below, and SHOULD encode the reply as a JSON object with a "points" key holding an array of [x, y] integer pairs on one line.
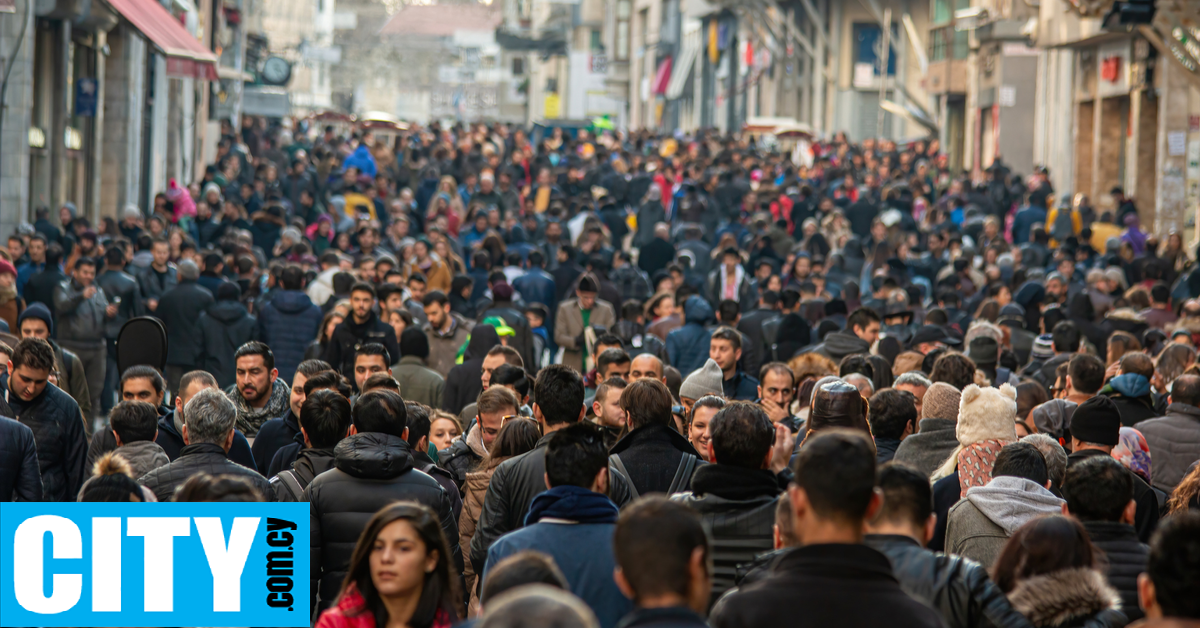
{"points": [[463, 383], [926, 450], [371, 470], [651, 455], [308, 465], [1131, 393], [287, 324], [980, 524], [1068, 598], [463, 455], [1125, 558], [273, 436], [224, 326], [1174, 442], [170, 438], [143, 456], [349, 335], [197, 458], [58, 434], [687, 347]]}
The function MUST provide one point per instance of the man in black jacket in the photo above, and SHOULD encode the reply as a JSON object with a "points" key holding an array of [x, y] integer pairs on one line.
{"points": [[756, 350], [170, 424], [832, 576], [361, 327], [737, 494], [53, 416], [179, 308], [209, 433], [465, 453], [19, 474], [326, 421], [160, 277], [41, 286], [559, 391], [957, 588], [1099, 492], [372, 468], [652, 456]]}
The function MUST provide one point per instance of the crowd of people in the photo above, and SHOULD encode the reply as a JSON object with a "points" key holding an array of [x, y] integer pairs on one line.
{"points": [[577, 379]]}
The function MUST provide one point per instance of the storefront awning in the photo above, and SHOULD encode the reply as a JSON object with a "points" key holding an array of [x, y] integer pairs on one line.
{"points": [[186, 57], [683, 70]]}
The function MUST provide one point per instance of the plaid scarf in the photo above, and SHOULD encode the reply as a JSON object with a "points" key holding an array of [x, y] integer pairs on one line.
{"points": [[250, 419]]}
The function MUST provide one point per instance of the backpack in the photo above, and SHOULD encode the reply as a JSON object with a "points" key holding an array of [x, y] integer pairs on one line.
{"points": [[291, 483], [1063, 227], [683, 474]]}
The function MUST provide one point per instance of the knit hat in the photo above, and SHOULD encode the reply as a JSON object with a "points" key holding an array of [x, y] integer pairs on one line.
{"points": [[39, 311], [414, 342], [941, 402], [1043, 347], [502, 291], [987, 414], [709, 380], [6, 268], [1098, 421], [983, 350]]}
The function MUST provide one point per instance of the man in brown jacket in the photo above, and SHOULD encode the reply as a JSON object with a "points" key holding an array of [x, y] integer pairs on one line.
{"points": [[447, 332], [575, 315]]}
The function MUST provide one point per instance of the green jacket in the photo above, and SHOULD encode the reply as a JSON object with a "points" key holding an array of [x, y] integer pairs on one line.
{"points": [[418, 382]]}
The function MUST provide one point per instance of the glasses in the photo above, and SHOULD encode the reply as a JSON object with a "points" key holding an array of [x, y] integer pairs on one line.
{"points": [[505, 419]]}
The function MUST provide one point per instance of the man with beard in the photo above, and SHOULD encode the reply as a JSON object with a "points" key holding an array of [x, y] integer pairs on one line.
{"points": [[361, 327], [37, 322], [160, 277], [259, 395]]}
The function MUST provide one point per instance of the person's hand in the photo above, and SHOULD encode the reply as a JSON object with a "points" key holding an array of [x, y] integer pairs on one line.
{"points": [[89, 292], [1112, 370], [1158, 383], [781, 450], [580, 340], [111, 310], [774, 411], [152, 304]]}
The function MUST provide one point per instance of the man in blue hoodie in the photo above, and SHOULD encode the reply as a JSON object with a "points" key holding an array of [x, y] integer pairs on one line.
{"points": [[289, 322], [573, 522], [687, 347]]}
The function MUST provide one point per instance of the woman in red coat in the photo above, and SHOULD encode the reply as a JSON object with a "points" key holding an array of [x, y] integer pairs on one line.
{"points": [[399, 575]]}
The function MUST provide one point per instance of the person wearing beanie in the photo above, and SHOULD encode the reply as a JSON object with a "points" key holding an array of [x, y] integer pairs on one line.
{"points": [[1095, 430], [708, 380], [37, 322], [224, 326], [935, 439], [11, 303], [417, 381], [575, 316]]}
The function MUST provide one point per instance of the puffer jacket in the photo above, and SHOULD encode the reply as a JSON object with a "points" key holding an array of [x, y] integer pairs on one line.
{"points": [[737, 509], [514, 484], [957, 588], [462, 456], [80, 320], [143, 456], [287, 324], [371, 470], [1126, 558], [19, 473], [224, 326], [1131, 393], [1068, 598], [1174, 442], [196, 458], [58, 434], [687, 347], [474, 490]]}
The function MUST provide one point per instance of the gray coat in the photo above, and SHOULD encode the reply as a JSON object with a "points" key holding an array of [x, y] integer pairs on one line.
{"points": [[979, 525], [926, 450], [80, 320], [1174, 442]]}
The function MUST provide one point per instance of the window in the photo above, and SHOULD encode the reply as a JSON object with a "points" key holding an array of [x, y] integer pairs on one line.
{"points": [[597, 43], [941, 11], [518, 66], [622, 39], [867, 40]]}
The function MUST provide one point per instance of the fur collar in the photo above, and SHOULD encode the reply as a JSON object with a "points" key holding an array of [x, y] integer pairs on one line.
{"points": [[1056, 598]]}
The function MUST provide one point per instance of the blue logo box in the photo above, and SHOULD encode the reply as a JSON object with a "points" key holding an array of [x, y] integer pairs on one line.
{"points": [[168, 564]]}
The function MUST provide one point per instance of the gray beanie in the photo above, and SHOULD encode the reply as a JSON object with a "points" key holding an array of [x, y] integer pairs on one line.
{"points": [[709, 380]]}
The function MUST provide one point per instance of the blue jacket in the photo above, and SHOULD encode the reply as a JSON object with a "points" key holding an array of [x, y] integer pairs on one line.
{"points": [[288, 324], [25, 272], [362, 159], [1023, 222], [537, 286], [687, 347]]}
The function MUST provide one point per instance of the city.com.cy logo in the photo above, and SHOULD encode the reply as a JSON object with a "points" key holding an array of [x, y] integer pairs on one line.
{"points": [[168, 564]]}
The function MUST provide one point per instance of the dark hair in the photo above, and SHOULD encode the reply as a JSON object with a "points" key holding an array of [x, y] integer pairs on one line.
{"points": [[204, 378], [1066, 337], [134, 421], [419, 421], [727, 311], [1139, 363], [363, 286], [1098, 489], [520, 569], [610, 357], [516, 437], [292, 277], [381, 410], [836, 470], [559, 394], [35, 353], [54, 255], [1086, 373], [515, 376], [1186, 390], [435, 296], [953, 368], [890, 412], [438, 591], [329, 380], [203, 487], [862, 317], [536, 259], [707, 401], [1160, 293], [308, 368], [907, 495], [575, 455], [111, 481], [588, 283], [733, 336], [654, 541], [1021, 460], [142, 371], [325, 417], [255, 347], [414, 342], [374, 348], [646, 402], [856, 363], [742, 435], [1042, 546], [114, 256], [1174, 565]]}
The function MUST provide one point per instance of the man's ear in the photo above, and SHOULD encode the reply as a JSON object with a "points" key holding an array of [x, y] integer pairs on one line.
{"points": [[1129, 515], [582, 412], [596, 406], [622, 583], [229, 440], [307, 443], [546, 477], [874, 505], [185, 435], [1065, 510], [537, 413], [930, 528], [1147, 596], [118, 436], [404, 436]]}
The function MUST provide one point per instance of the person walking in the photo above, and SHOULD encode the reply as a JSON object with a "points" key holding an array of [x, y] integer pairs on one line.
{"points": [[20, 476], [289, 321], [575, 316], [179, 309], [361, 327], [83, 313], [417, 381], [225, 326]]}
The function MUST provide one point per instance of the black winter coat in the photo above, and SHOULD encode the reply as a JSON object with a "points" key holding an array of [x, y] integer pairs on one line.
{"points": [[224, 326], [458, 460], [1126, 557], [155, 285], [371, 470], [737, 507], [118, 283], [273, 436], [954, 586], [1147, 515], [20, 478], [58, 433], [672, 617], [843, 585], [287, 324], [651, 454], [514, 484], [40, 288], [179, 310], [171, 440], [423, 463], [349, 336], [207, 458]]}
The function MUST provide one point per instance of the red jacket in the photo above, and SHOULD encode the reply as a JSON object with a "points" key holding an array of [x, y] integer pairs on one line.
{"points": [[351, 612]]}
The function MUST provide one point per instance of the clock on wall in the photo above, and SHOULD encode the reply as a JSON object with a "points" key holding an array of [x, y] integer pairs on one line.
{"points": [[276, 71]]}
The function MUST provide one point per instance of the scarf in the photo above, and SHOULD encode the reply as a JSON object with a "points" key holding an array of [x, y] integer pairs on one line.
{"points": [[975, 463], [729, 287], [250, 419], [1133, 452], [572, 503]]}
